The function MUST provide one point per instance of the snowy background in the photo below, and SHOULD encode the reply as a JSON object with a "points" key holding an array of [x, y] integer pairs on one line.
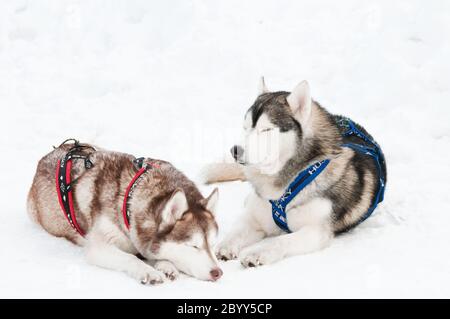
{"points": [[172, 79]]}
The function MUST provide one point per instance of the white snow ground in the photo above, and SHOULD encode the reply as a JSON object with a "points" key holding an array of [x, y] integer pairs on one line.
{"points": [[172, 79]]}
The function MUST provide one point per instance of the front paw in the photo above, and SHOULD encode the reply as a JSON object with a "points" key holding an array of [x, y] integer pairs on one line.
{"points": [[259, 255], [227, 251], [149, 276], [169, 269]]}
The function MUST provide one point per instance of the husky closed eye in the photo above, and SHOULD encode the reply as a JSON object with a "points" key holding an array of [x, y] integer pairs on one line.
{"points": [[192, 246]]}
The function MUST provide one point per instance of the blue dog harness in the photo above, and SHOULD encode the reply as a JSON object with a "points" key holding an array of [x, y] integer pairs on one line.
{"points": [[366, 146]]}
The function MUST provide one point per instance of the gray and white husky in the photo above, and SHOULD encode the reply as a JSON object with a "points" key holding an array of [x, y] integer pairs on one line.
{"points": [[284, 134], [170, 221]]}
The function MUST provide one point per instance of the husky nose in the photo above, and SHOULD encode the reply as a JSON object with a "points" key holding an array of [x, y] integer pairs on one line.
{"points": [[237, 152], [216, 273]]}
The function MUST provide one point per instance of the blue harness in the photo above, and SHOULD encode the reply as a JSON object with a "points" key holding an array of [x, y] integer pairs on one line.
{"points": [[366, 146]]}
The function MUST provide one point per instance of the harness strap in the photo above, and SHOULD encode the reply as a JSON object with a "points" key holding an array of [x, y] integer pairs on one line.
{"points": [[144, 167], [64, 182], [303, 179], [373, 151], [382, 185]]}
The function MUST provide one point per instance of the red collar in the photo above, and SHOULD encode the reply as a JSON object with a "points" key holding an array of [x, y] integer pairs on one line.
{"points": [[131, 187]]}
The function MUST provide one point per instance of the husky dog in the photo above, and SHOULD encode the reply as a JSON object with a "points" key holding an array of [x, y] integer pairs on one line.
{"points": [[284, 134], [170, 222]]}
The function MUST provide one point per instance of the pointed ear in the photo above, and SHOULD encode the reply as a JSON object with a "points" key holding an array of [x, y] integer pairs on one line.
{"points": [[174, 208], [262, 88], [300, 102], [210, 202]]}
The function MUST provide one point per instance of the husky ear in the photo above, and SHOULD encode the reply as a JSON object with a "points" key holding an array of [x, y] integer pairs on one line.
{"points": [[300, 102], [174, 209], [210, 202], [262, 88]]}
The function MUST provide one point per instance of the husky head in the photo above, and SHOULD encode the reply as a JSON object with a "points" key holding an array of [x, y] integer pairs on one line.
{"points": [[186, 231], [274, 128]]}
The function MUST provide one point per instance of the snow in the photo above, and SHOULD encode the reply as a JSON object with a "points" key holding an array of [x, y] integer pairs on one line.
{"points": [[172, 80]]}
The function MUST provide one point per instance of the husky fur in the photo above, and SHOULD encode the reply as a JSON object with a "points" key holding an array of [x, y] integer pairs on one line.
{"points": [[171, 223], [304, 133]]}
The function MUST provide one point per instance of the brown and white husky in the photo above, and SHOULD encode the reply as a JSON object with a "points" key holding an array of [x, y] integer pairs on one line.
{"points": [[170, 222]]}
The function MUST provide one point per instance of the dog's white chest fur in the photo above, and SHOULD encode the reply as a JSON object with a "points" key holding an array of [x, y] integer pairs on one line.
{"points": [[315, 211]]}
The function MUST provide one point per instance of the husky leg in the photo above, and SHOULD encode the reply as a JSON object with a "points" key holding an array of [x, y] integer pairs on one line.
{"points": [[248, 231], [108, 256], [238, 239], [168, 269], [222, 172], [308, 239]]}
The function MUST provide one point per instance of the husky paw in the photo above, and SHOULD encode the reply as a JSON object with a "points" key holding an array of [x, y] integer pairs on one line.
{"points": [[150, 276], [168, 269], [227, 251], [258, 256]]}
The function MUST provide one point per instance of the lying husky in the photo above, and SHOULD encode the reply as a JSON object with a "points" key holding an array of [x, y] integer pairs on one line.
{"points": [[314, 175], [120, 207]]}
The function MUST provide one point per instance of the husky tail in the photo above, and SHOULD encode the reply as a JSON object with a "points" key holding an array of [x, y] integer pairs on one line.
{"points": [[222, 172]]}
